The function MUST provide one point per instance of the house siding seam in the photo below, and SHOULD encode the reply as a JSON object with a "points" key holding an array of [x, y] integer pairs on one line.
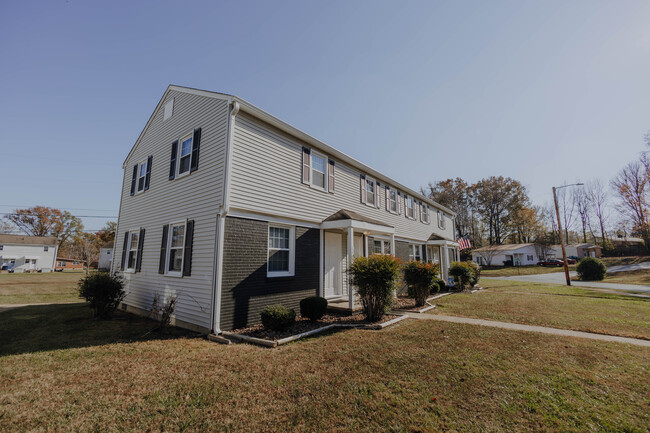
{"points": [[260, 148], [246, 289], [197, 196]]}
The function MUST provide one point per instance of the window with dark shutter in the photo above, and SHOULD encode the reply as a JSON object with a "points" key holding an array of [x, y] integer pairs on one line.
{"points": [[163, 250], [134, 178], [330, 179], [172, 162], [124, 247], [362, 184], [138, 260], [306, 165], [147, 179], [196, 144], [187, 254]]}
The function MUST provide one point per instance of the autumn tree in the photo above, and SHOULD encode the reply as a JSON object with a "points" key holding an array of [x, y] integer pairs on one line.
{"points": [[633, 190], [85, 247], [528, 224], [455, 195], [6, 227], [46, 221], [497, 201], [107, 233]]}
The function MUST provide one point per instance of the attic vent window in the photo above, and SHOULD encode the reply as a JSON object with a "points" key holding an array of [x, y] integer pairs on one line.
{"points": [[169, 109]]}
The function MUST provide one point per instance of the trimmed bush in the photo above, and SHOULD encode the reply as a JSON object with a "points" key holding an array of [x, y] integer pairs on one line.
{"points": [[440, 285], [476, 272], [103, 291], [465, 274], [375, 278], [591, 269], [420, 278], [313, 307], [278, 317]]}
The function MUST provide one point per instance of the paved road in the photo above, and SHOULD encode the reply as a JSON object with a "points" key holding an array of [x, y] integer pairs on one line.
{"points": [[558, 278], [623, 268], [530, 328]]}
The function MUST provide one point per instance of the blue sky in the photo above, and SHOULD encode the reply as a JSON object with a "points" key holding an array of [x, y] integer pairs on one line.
{"points": [[542, 91]]}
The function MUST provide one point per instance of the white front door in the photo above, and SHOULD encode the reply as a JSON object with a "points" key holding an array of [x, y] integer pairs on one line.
{"points": [[333, 269]]}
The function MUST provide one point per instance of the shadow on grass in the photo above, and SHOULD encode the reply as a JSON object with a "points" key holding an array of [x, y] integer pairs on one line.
{"points": [[63, 326]]}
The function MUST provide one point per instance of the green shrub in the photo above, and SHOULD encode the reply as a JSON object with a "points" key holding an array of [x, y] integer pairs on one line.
{"points": [[313, 307], [420, 278], [103, 291], [476, 272], [440, 285], [465, 274], [278, 317], [375, 278], [591, 269]]}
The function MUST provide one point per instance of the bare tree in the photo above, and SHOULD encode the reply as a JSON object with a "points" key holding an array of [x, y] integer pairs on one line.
{"points": [[567, 210], [488, 253], [582, 205], [85, 247], [6, 227], [632, 187], [597, 200]]}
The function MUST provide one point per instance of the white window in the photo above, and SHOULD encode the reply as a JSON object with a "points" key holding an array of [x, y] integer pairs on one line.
{"points": [[424, 213], [280, 262], [185, 155], [415, 252], [46, 248], [318, 164], [392, 201], [169, 109], [380, 246], [441, 220], [410, 207], [132, 258], [175, 248], [370, 192], [529, 258], [142, 174]]}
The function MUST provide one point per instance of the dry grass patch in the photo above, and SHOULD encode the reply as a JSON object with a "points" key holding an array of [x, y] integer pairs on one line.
{"points": [[555, 306], [49, 287], [522, 270], [419, 376], [641, 276]]}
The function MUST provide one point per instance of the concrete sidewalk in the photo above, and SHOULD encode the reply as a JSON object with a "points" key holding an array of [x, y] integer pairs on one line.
{"points": [[530, 328]]}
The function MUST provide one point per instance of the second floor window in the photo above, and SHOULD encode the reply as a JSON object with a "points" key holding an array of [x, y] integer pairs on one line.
{"points": [[410, 207], [370, 192], [317, 170], [186, 155], [142, 174], [424, 213], [392, 200]]}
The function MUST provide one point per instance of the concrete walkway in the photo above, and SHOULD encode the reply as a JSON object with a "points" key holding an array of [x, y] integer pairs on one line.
{"points": [[559, 278], [530, 328]]}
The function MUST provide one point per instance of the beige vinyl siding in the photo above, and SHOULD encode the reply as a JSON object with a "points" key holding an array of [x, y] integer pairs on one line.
{"points": [[266, 178], [195, 196]]}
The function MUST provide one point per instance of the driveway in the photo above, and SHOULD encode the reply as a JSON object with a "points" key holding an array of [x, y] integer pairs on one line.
{"points": [[558, 278]]}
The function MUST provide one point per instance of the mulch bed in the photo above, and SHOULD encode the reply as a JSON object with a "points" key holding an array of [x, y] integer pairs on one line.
{"points": [[304, 325]]}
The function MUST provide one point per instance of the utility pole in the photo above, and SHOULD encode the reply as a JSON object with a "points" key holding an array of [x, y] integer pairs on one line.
{"points": [[559, 230]]}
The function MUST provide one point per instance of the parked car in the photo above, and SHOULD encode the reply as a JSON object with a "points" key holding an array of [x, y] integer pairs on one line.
{"points": [[551, 262], [571, 261]]}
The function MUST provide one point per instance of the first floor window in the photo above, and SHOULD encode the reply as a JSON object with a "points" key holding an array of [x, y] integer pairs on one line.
{"points": [[280, 251], [186, 155], [377, 247], [176, 244], [415, 252], [530, 258], [133, 250]]}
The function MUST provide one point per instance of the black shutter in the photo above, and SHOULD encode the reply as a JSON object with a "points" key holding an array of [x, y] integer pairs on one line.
{"points": [[163, 249], [306, 165], [172, 162], [362, 184], [330, 179], [126, 241], [134, 178], [196, 144], [187, 254], [147, 179], [138, 260]]}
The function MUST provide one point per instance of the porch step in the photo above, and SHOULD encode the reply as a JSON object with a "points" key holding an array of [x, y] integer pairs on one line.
{"points": [[342, 306]]}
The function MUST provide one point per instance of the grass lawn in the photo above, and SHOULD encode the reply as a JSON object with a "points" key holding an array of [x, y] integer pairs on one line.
{"points": [[641, 276], [420, 376], [522, 270], [553, 305], [50, 287]]}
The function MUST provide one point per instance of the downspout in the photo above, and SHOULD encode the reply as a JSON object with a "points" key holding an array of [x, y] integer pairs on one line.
{"points": [[233, 109]]}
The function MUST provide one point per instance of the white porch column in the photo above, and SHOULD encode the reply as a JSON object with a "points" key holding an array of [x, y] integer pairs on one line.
{"points": [[392, 245], [321, 265], [350, 256], [365, 245], [444, 262]]}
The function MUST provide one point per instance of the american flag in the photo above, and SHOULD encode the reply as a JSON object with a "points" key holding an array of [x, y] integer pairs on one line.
{"points": [[464, 243]]}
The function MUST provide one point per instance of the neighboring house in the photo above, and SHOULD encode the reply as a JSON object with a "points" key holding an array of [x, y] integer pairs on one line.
{"points": [[577, 251], [20, 253], [231, 210], [627, 245], [105, 256], [506, 255], [68, 264]]}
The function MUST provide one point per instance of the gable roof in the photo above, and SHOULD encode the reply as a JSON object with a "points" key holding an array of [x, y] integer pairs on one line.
{"points": [[28, 240], [344, 214], [291, 130], [501, 248]]}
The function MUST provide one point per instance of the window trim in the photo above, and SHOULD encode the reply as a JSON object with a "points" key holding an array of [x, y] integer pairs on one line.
{"points": [[311, 170], [131, 248], [406, 206], [391, 192], [139, 177], [182, 138], [176, 274], [424, 211], [419, 249], [374, 194], [292, 251], [441, 220]]}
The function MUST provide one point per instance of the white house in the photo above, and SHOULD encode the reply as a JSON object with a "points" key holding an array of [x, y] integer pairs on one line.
{"points": [[105, 256], [20, 253], [577, 250], [511, 254], [230, 209]]}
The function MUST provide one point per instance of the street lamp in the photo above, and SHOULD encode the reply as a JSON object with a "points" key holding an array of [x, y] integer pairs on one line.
{"points": [[559, 229]]}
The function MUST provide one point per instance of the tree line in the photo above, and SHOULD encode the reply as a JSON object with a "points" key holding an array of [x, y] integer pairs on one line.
{"points": [[497, 210]]}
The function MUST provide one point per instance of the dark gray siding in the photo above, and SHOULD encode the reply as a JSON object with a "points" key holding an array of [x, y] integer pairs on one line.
{"points": [[246, 290], [402, 250]]}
